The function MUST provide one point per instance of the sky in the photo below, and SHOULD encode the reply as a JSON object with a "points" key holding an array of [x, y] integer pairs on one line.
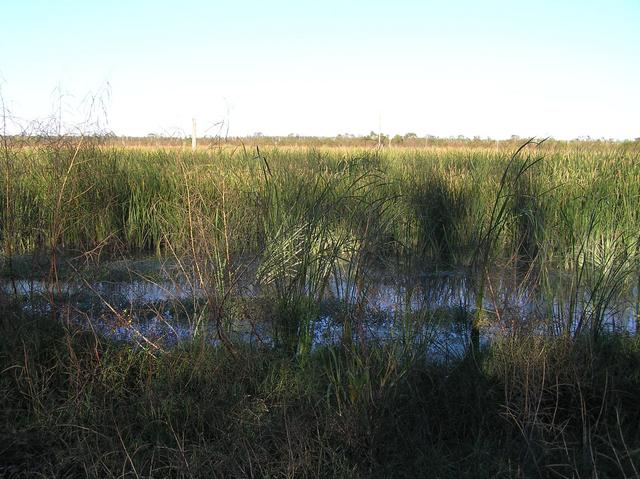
{"points": [[560, 68]]}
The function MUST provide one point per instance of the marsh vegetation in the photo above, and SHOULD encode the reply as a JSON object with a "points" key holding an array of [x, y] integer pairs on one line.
{"points": [[435, 310]]}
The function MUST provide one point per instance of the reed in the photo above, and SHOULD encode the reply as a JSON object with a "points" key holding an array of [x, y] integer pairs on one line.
{"points": [[135, 196]]}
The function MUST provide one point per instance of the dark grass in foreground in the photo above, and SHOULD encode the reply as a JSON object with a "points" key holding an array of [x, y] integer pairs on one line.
{"points": [[73, 406]]}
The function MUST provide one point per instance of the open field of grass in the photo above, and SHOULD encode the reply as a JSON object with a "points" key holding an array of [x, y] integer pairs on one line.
{"points": [[288, 242]]}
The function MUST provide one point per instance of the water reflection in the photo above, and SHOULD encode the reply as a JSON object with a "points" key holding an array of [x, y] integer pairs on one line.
{"points": [[430, 309]]}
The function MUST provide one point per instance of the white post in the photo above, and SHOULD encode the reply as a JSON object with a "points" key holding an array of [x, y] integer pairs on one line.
{"points": [[193, 135], [379, 130]]}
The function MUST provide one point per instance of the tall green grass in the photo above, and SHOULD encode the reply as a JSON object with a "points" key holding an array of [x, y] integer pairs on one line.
{"points": [[135, 196]]}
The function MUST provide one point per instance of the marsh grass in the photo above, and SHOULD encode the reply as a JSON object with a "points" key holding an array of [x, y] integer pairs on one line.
{"points": [[297, 222], [73, 404], [136, 196]]}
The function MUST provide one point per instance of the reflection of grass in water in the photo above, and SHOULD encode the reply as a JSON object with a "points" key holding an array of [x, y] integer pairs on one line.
{"points": [[71, 266]]}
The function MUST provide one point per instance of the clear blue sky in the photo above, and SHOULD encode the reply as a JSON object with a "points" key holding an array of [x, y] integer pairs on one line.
{"points": [[491, 68]]}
